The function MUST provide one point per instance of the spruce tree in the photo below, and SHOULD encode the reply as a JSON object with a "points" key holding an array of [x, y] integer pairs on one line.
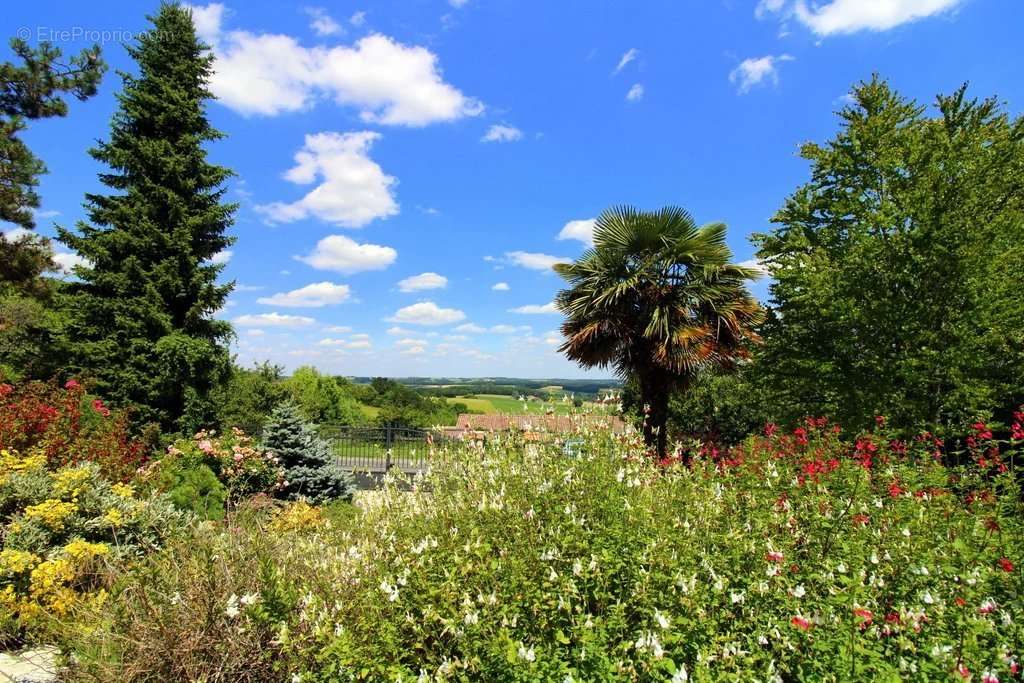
{"points": [[142, 311], [309, 465]]}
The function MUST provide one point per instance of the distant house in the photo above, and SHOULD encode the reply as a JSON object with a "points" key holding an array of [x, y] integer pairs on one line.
{"points": [[471, 425]]}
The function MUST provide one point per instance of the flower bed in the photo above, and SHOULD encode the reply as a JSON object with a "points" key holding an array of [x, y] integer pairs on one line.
{"points": [[794, 557]]}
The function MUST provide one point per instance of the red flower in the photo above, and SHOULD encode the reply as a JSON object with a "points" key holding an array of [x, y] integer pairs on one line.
{"points": [[71, 385], [981, 430], [98, 406], [892, 618], [5, 390], [860, 519], [770, 429], [962, 671], [801, 435], [880, 420], [774, 556], [960, 602], [801, 623], [895, 490], [1005, 564], [865, 615]]}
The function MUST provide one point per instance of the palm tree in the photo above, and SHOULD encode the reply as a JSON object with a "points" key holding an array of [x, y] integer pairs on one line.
{"points": [[657, 299]]}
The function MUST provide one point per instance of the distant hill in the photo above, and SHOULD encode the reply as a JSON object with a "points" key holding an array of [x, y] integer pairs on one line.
{"points": [[503, 386]]}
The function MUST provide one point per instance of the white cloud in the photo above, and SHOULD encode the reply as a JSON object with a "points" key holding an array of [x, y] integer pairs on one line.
{"points": [[423, 281], [358, 18], [766, 7], [500, 287], [314, 295], [411, 342], [16, 233], [339, 329], [273, 320], [535, 261], [51, 213], [470, 328], [353, 343], [388, 82], [755, 264], [580, 230], [354, 189], [322, 23], [502, 133], [458, 4], [535, 309], [628, 57], [221, 257], [508, 329], [427, 313], [755, 70], [67, 260], [345, 255], [255, 332], [413, 351], [207, 21], [635, 93], [249, 288], [399, 331], [849, 16]]}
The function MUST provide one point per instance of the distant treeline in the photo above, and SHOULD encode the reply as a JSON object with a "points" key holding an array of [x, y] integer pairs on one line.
{"points": [[452, 387]]}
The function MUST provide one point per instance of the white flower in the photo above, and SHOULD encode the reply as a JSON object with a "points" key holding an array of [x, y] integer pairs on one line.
{"points": [[527, 654], [680, 676], [249, 599], [296, 678], [799, 591], [906, 532], [927, 598], [232, 610], [737, 598], [471, 618], [841, 568], [874, 558], [662, 620], [391, 591]]}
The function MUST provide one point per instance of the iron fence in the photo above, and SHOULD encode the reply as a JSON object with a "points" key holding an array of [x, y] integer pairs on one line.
{"points": [[378, 449]]}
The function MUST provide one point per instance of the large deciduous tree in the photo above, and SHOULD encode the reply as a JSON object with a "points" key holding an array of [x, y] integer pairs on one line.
{"points": [[658, 300], [143, 323], [898, 267]]}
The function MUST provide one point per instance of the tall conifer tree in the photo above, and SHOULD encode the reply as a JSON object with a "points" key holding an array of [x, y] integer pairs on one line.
{"points": [[143, 324]]}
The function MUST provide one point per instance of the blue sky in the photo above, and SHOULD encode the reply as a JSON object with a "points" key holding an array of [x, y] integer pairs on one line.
{"points": [[408, 170]]}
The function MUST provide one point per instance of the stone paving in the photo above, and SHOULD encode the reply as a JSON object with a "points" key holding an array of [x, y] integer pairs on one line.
{"points": [[29, 666]]}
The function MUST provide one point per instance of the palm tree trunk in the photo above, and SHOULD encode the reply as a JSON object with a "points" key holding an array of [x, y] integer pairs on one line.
{"points": [[654, 393]]}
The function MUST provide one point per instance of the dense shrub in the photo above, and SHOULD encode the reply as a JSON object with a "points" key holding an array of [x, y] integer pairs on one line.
{"points": [[209, 472], [311, 471], [67, 426], [796, 556], [57, 527], [249, 396]]}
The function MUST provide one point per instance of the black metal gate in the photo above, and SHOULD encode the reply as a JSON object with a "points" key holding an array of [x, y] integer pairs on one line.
{"points": [[378, 449]]}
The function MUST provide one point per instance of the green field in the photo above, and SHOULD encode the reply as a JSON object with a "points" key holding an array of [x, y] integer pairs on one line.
{"points": [[490, 404]]}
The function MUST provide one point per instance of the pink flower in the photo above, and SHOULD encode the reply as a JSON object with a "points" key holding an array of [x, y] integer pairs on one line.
{"points": [[989, 677], [71, 384], [800, 623], [205, 446], [239, 457], [774, 556], [98, 406]]}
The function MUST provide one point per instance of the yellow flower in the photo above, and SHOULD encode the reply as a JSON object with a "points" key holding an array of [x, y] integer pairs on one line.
{"points": [[68, 482], [84, 550], [298, 517], [113, 517], [50, 576], [51, 512], [17, 561], [123, 490], [11, 462]]}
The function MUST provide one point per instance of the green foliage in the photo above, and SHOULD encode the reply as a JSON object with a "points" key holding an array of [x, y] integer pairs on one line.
{"points": [[194, 487], [897, 267], [32, 90], [249, 396], [657, 300], [323, 399], [720, 408], [404, 406], [142, 308], [311, 471]]}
